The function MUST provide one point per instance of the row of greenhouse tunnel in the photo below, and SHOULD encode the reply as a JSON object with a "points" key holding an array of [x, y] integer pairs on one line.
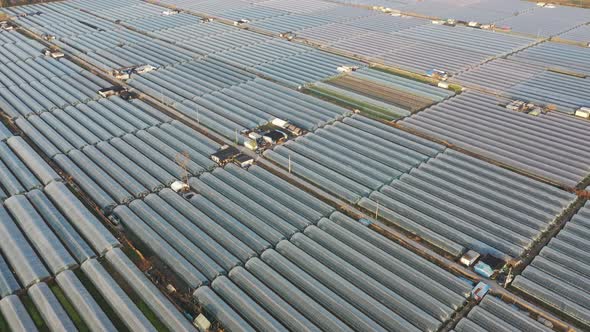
{"points": [[141, 186]]}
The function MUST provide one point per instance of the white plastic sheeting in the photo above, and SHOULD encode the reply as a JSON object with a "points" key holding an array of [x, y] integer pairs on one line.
{"points": [[32, 160], [43, 84], [560, 275], [353, 157], [15, 47], [114, 295], [518, 78], [58, 19], [197, 78], [411, 55], [99, 41], [356, 31], [289, 23], [4, 132], [21, 168], [208, 38], [257, 102], [81, 218], [296, 70], [214, 305], [243, 283], [116, 171], [569, 58], [499, 75], [546, 146], [580, 34], [53, 314], [155, 224], [91, 313], [492, 314], [251, 13], [335, 276], [546, 22], [486, 42], [118, 10], [376, 37], [455, 202], [159, 304], [114, 149], [222, 226], [61, 226], [362, 26], [8, 283], [87, 124], [567, 93], [159, 23], [21, 256], [386, 23], [47, 235], [483, 11], [155, 243], [232, 99], [16, 315], [46, 243]]}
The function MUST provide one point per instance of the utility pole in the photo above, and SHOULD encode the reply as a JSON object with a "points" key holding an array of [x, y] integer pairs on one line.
{"points": [[182, 159], [377, 211]]}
